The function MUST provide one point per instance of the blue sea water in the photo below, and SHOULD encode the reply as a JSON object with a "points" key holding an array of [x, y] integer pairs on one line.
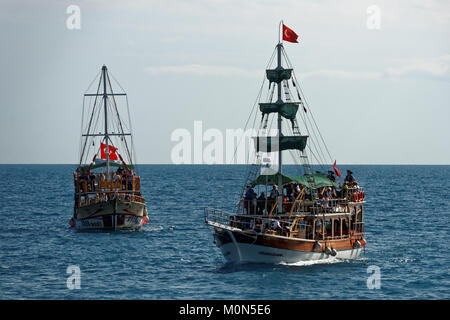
{"points": [[173, 256]]}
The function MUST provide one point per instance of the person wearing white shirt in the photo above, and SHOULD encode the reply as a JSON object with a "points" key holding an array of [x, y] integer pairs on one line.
{"points": [[276, 225]]}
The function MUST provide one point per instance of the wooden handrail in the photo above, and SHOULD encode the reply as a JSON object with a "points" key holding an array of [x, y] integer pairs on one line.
{"points": [[274, 206], [108, 192], [295, 201]]}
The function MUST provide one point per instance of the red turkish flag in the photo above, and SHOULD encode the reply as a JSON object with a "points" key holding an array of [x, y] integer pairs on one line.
{"points": [[336, 170], [289, 35], [112, 152]]}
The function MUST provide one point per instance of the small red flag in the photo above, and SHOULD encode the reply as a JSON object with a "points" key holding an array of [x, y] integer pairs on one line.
{"points": [[289, 35], [112, 152], [336, 170]]}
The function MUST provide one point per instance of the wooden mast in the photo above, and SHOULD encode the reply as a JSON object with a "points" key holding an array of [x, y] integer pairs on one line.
{"points": [[105, 96], [279, 100]]}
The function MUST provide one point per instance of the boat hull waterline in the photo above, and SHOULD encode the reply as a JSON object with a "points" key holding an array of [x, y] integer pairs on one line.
{"points": [[111, 215], [256, 250]]}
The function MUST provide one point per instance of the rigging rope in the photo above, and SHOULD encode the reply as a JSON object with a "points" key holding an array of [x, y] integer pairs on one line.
{"points": [[297, 85], [90, 121], [118, 117], [254, 105], [133, 151]]}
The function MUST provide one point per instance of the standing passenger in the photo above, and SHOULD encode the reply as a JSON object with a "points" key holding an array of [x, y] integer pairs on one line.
{"points": [[261, 203], [274, 194], [249, 196], [349, 178]]}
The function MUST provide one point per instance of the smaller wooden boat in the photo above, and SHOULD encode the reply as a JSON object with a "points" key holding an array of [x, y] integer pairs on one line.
{"points": [[107, 190]]}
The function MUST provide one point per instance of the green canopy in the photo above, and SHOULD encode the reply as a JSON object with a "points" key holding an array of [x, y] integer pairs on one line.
{"points": [[271, 179], [285, 143], [320, 180], [103, 164], [287, 109]]}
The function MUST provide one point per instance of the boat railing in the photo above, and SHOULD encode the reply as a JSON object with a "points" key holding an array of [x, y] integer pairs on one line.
{"points": [[85, 184], [103, 197], [358, 228], [296, 226], [270, 207], [259, 224], [352, 194]]}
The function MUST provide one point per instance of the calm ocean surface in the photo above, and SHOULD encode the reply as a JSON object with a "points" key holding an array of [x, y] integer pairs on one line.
{"points": [[173, 256]]}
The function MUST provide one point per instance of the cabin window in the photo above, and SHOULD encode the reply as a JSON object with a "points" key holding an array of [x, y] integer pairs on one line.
{"points": [[336, 227], [345, 226], [359, 219], [328, 227]]}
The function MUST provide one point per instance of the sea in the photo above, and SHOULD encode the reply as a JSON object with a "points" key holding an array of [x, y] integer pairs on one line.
{"points": [[407, 217]]}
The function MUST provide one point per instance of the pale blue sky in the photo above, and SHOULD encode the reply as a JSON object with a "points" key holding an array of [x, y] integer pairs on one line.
{"points": [[379, 96]]}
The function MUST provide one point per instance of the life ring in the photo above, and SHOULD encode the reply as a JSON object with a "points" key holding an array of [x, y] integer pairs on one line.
{"points": [[333, 252], [327, 250]]}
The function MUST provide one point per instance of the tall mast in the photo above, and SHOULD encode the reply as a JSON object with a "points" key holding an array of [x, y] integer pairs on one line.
{"points": [[105, 78], [105, 96], [280, 183], [279, 100]]}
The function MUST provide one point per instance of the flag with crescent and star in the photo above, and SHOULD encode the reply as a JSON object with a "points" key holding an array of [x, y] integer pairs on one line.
{"points": [[111, 150], [289, 35]]}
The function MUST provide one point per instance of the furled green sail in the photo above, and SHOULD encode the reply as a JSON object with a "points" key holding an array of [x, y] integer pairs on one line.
{"points": [[264, 144], [279, 74], [287, 109]]}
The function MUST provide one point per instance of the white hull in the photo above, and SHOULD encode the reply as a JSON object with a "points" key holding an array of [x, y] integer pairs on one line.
{"points": [[111, 215], [243, 253]]}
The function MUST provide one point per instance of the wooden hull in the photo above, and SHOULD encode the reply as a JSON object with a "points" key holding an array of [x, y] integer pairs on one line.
{"points": [[239, 246], [113, 214]]}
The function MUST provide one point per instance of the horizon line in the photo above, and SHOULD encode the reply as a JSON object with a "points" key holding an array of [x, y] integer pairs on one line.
{"points": [[244, 164]]}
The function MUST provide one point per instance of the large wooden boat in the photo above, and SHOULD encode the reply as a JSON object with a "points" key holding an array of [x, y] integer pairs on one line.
{"points": [[107, 190], [308, 216]]}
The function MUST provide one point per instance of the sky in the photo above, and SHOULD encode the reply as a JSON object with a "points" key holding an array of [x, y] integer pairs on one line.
{"points": [[379, 90]]}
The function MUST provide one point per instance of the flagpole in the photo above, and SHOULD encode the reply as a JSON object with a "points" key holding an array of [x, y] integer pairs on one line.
{"points": [[280, 31]]}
